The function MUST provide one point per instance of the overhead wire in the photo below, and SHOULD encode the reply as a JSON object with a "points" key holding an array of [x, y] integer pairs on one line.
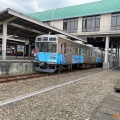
{"points": [[15, 8], [24, 6]]}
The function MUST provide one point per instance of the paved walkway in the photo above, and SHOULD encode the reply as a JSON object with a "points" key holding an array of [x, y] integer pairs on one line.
{"points": [[16, 59], [110, 107]]}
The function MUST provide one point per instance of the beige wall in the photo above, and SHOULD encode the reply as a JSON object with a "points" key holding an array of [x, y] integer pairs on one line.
{"points": [[105, 26], [58, 24], [105, 23], [79, 25]]}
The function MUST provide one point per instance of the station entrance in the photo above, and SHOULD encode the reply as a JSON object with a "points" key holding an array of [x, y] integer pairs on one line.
{"points": [[16, 49]]}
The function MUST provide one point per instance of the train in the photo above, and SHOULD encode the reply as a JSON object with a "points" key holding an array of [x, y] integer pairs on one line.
{"points": [[58, 52]]}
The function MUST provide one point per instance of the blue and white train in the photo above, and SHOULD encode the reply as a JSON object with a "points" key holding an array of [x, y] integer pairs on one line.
{"points": [[53, 52]]}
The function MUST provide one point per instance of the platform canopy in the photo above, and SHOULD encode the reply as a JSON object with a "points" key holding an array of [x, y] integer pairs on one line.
{"points": [[19, 24]]}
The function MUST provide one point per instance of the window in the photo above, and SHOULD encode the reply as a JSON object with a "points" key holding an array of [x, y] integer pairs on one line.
{"points": [[46, 47], [52, 39], [93, 53], [38, 46], [70, 25], [76, 51], [83, 51], [70, 51], [89, 53], [47, 22], [52, 47], [79, 51], [115, 22], [91, 24]]}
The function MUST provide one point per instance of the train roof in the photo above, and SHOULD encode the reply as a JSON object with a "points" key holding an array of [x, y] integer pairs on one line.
{"points": [[49, 35]]}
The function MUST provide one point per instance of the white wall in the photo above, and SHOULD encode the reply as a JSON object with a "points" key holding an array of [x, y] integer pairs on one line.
{"points": [[105, 26], [58, 24], [79, 25], [105, 23]]}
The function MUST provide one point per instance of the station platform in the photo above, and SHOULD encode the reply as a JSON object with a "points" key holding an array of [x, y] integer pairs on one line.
{"points": [[110, 107], [16, 58], [16, 65]]}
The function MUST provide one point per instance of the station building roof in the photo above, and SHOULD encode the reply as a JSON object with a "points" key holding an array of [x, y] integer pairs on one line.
{"points": [[93, 8], [19, 24]]}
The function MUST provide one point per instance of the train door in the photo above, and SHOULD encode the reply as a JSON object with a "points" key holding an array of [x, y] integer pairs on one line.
{"points": [[62, 48], [70, 55], [64, 52]]}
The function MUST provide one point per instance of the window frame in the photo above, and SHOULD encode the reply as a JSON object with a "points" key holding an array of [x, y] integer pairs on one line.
{"points": [[92, 26], [115, 23], [70, 25]]}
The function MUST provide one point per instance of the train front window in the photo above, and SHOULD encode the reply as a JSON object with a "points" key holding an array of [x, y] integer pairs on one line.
{"points": [[46, 46], [38, 46], [52, 47]]}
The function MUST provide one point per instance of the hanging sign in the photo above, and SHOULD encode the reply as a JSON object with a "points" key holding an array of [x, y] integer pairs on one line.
{"points": [[20, 48]]}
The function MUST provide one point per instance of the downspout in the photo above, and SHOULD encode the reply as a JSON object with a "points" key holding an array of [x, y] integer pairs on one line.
{"points": [[53, 16]]}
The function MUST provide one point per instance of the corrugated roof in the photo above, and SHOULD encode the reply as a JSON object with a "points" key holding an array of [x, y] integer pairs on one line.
{"points": [[93, 8]]}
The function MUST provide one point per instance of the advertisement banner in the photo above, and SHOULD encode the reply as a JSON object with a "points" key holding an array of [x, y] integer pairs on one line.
{"points": [[20, 48]]}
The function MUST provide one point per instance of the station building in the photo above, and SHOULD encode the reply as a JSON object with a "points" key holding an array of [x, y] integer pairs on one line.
{"points": [[97, 22], [17, 39]]}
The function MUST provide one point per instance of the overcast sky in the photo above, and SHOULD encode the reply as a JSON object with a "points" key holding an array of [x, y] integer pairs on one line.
{"points": [[30, 6]]}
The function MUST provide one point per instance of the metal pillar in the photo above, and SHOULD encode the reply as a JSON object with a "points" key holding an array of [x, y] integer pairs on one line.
{"points": [[106, 63], [111, 56], [118, 56], [29, 51], [4, 41]]}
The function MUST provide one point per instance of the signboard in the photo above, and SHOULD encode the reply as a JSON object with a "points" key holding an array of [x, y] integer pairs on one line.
{"points": [[20, 48]]}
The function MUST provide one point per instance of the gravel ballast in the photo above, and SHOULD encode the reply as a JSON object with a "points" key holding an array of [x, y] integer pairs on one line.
{"points": [[76, 101]]}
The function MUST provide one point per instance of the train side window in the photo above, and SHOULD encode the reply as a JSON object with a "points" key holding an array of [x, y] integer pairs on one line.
{"points": [[76, 51], [67, 49], [79, 51], [62, 48], [73, 51], [70, 51], [89, 53], [86, 52], [98, 54], [93, 53], [83, 51]]}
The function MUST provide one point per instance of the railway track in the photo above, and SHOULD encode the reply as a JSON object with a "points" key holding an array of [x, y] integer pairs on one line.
{"points": [[16, 78], [22, 77]]}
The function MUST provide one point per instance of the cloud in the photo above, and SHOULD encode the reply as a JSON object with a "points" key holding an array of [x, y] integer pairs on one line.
{"points": [[30, 6]]}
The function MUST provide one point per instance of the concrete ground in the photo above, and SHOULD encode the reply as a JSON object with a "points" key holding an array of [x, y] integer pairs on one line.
{"points": [[110, 107], [17, 58]]}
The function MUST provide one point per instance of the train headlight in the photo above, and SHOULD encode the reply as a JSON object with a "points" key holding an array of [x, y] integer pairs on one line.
{"points": [[36, 57]]}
